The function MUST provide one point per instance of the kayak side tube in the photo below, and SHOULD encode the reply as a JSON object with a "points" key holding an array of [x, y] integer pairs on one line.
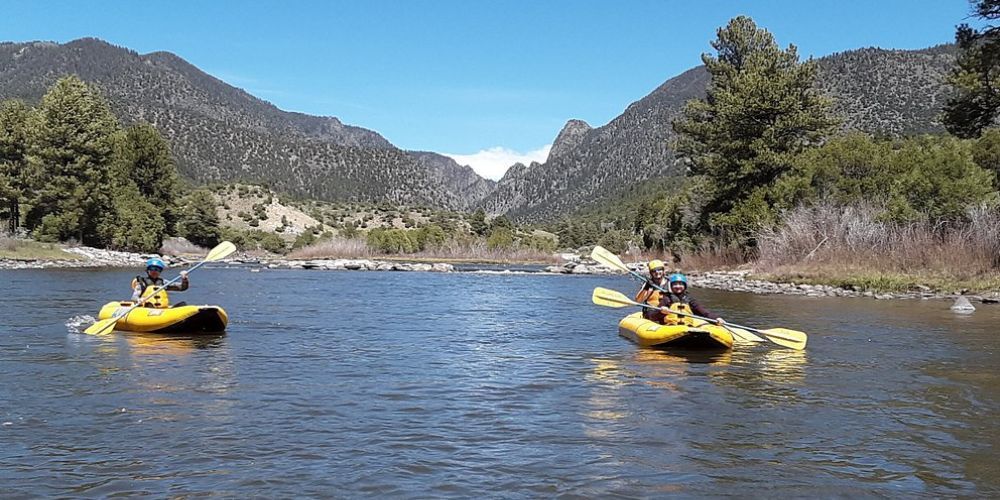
{"points": [[648, 333]]}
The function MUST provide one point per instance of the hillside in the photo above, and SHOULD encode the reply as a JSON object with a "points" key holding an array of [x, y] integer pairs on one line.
{"points": [[883, 92], [220, 133]]}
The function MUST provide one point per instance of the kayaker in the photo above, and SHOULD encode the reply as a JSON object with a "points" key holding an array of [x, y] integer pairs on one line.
{"points": [[648, 293], [142, 286], [679, 300]]}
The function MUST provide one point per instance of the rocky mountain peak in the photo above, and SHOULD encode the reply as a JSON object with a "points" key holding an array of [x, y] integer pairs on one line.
{"points": [[569, 137]]}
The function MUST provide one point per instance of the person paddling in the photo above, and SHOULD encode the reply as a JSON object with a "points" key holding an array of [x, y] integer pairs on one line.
{"points": [[143, 286], [679, 300], [649, 293]]}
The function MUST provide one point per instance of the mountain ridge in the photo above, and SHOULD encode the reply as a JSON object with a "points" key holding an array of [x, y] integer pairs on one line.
{"points": [[220, 133]]}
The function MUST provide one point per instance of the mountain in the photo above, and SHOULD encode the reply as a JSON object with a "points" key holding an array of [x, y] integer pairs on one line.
{"points": [[883, 92], [221, 133]]}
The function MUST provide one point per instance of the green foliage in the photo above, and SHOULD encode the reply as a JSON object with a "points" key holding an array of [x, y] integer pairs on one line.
{"points": [[935, 178], [986, 151], [15, 119], [430, 236], [254, 239], [392, 241], [541, 241], [477, 222], [137, 225], [70, 154], [500, 238], [615, 240], [760, 111], [976, 102], [198, 221], [143, 156]]}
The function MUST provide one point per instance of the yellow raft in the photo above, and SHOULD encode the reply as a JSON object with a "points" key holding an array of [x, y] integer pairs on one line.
{"points": [[697, 335], [179, 319]]}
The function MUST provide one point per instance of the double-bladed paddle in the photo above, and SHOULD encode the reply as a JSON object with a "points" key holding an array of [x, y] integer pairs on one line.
{"points": [[221, 251]]}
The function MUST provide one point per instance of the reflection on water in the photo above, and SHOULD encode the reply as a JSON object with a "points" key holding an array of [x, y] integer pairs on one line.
{"points": [[452, 385]]}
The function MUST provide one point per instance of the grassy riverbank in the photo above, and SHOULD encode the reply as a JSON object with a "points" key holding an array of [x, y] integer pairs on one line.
{"points": [[19, 249]]}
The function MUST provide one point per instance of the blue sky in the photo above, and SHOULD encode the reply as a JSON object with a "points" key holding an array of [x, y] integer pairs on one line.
{"points": [[488, 82]]}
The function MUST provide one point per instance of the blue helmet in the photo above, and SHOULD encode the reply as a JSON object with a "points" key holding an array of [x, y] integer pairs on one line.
{"points": [[155, 263], [678, 278]]}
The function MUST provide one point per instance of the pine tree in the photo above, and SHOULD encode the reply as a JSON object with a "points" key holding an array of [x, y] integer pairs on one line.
{"points": [[977, 101], [144, 157], [70, 155], [198, 221], [477, 222], [14, 118], [761, 109]]}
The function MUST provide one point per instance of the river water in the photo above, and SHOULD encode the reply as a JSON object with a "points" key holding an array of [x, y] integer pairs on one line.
{"points": [[381, 384]]}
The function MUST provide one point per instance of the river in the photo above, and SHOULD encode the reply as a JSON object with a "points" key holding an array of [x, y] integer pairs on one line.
{"points": [[465, 385]]}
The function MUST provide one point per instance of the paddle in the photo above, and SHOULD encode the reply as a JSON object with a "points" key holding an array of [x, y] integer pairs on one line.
{"points": [[782, 336], [221, 251], [602, 255]]}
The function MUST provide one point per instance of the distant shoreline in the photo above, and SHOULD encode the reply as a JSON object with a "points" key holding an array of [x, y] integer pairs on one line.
{"points": [[735, 281]]}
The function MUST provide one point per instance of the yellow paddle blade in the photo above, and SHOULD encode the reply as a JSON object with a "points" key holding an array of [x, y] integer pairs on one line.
{"points": [[102, 327], [602, 255], [744, 335], [784, 337], [221, 251], [610, 298]]}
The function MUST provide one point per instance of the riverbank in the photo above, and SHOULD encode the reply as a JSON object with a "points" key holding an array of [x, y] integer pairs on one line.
{"points": [[41, 256], [749, 281]]}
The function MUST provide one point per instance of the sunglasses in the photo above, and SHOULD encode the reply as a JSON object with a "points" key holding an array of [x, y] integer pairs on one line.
{"points": [[157, 269]]}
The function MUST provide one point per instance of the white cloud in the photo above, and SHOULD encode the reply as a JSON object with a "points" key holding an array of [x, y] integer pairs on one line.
{"points": [[492, 163]]}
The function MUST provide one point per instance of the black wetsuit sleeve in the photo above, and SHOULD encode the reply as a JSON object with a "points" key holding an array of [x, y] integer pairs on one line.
{"points": [[175, 287]]}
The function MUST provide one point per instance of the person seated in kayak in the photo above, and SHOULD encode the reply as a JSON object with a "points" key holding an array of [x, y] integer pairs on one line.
{"points": [[143, 286], [649, 294], [679, 300]]}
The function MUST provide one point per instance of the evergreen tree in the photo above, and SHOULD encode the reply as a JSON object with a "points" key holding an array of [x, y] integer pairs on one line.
{"points": [[198, 221], [136, 225], [761, 109], [14, 123], [477, 222], [70, 155], [144, 157], [975, 78]]}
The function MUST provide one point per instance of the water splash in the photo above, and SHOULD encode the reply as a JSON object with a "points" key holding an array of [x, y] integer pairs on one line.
{"points": [[77, 324]]}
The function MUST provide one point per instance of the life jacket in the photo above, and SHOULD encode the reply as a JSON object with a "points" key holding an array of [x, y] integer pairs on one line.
{"points": [[679, 303], [653, 298], [158, 300]]}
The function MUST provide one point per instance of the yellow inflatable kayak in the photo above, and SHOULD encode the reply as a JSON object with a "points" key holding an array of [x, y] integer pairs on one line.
{"points": [[697, 335], [179, 319]]}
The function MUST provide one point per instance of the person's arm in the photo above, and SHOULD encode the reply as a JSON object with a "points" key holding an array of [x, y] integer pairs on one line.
{"points": [[174, 287], [136, 290], [643, 293]]}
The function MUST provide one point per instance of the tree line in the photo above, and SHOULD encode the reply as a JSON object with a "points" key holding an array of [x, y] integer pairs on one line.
{"points": [[764, 141], [69, 171]]}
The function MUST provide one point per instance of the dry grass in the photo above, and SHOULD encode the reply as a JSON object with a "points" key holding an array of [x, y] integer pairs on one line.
{"points": [[19, 249], [340, 248], [334, 248], [851, 244], [707, 258]]}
